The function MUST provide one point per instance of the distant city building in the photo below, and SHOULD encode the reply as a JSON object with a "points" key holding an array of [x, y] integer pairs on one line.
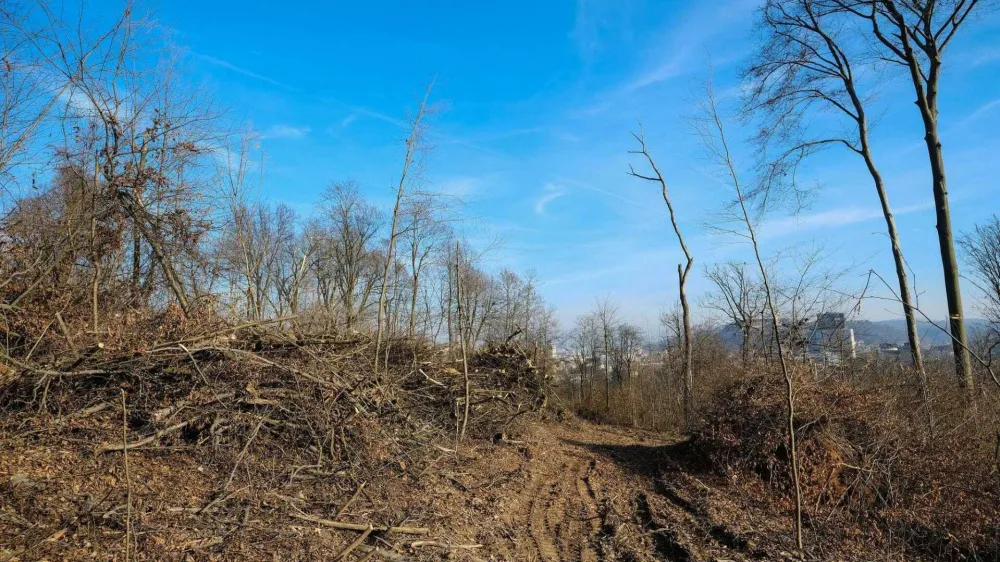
{"points": [[829, 342], [830, 321]]}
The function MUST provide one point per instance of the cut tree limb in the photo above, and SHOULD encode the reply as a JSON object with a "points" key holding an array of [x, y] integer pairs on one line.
{"points": [[360, 527], [382, 553], [357, 542], [439, 544], [109, 447]]}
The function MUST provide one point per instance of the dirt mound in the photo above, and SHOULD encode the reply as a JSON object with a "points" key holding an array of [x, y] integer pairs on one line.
{"points": [[241, 444], [866, 474]]}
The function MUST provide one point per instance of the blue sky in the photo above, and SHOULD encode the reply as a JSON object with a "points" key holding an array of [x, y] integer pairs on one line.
{"points": [[536, 103]]}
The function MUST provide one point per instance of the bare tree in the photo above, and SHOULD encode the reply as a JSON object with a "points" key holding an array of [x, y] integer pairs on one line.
{"points": [[583, 339], [806, 66], [412, 148], [425, 233], [981, 247], [292, 270], [479, 296], [626, 350], [461, 337], [510, 289], [255, 239], [711, 129], [914, 34], [805, 289], [147, 139], [26, 100], [682, 271], [255, 234], [740, 298], [345, 260], [606, 316]]}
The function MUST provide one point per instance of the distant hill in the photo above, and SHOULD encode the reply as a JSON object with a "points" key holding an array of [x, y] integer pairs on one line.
{"points": [[894, 331], [881, 331]]}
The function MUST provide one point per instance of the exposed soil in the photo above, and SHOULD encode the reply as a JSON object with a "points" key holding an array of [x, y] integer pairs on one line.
{"points": [[575, 491], [560, 491]]}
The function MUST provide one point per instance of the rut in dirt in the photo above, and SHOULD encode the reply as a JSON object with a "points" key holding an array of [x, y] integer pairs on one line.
{"points": [[563, 518], [561, 513], [593, 493]]}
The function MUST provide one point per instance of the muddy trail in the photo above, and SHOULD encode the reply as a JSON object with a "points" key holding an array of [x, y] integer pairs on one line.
{"points": [[575, 491]]}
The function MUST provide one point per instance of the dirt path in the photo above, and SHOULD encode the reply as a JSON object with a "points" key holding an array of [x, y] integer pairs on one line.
{"points": [[577, 492], [563, 515], [564, 510]]}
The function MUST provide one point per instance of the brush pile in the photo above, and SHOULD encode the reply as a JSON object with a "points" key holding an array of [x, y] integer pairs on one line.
{"points": [[240, 443], [867, 470]]}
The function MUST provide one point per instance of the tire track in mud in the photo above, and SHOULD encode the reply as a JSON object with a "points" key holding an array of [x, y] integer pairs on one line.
{"points": [[563, 517], [586, 494], [538, 523], [557, 519], [588, 511], [561, 513]]}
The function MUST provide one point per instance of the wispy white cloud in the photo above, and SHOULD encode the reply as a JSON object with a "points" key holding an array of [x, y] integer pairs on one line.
{"points": [[584, 33], [678, 50], [675, 65], [230, 160], [460, 187], [564, 136], [834, 218], [981, 111], [550, 193], [381, 117], [594, 21], [287, 132], [602, 191], [77, 103], [986, 56], [239, 70], [681, 49], [346, 122]]}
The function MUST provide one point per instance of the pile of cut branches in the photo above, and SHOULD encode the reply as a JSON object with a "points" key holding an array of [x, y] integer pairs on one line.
{"points": [[868, 470], [236, 443]]}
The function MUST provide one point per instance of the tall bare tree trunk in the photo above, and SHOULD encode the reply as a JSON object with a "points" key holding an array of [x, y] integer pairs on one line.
{"points": [[931, 27], [138, 214], [949, 260], [448, 311], [412, 145], [413, 306], [717, 137], [607, 375], [136, 259], [95, 259], [909, 310], [682, 276], [465, 358]]}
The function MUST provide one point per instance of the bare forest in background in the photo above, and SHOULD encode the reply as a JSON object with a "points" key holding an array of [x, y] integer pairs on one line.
{"points": [[129, 198]]}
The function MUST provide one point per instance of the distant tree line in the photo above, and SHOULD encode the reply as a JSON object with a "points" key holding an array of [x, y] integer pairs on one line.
{"points": [[125, 192]]}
